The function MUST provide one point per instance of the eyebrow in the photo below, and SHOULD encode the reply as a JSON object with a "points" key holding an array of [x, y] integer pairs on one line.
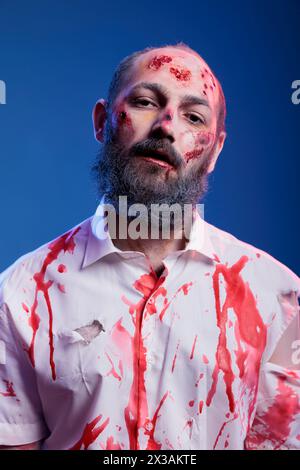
{"points": [[163, 93]]}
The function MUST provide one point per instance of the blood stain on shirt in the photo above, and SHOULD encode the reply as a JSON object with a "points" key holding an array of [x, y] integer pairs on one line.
{"points": [[61, 268], [25, 307], [61, 288], [201, 404], [193, 347], [90, 433], [205, 359], [113, 371], [64, 243], [9, 389], [150, 426], [175, 357], [275, 422], [250, 330], [111, 445]]}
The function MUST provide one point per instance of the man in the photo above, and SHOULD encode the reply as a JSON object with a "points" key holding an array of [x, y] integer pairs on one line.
{"points": [[140, 342]]}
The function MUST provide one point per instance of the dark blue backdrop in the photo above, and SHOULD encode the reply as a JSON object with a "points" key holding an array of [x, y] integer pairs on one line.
{"points": [[57, 58]]}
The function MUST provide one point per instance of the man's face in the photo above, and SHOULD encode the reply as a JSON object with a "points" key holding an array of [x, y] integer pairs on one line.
{"points": [[160, 138]]}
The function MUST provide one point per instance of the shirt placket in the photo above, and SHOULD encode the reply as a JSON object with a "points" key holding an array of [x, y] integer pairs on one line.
{"points": [[146, 324]]}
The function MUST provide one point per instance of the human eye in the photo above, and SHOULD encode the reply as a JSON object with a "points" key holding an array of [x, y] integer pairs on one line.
{"points": [[195, 118], [143, 102]]}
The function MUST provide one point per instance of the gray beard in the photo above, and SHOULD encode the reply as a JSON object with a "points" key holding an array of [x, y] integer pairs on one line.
{"points": [[118, 173]]}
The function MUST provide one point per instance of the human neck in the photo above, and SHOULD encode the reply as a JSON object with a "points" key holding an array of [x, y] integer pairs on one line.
{"points": [[155, 249]]}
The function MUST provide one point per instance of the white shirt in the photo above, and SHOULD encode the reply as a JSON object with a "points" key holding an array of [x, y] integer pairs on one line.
{"points": [[175, 362]]}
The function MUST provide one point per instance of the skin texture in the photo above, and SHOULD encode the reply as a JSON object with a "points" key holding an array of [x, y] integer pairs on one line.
{"points": [[188, 127]]}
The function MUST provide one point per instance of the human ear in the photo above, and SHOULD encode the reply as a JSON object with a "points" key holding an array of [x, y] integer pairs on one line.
{"points": [[217, 151], [99, 119]]}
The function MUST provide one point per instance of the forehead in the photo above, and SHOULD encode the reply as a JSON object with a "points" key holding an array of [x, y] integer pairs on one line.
{"points": [[160, 59], [181, 71]]}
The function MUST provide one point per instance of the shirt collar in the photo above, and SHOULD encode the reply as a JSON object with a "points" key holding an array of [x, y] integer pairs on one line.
{"points": [[98, 246]]}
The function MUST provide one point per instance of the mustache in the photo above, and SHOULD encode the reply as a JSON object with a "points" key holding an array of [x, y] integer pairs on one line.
{"points": [[147, 146]]}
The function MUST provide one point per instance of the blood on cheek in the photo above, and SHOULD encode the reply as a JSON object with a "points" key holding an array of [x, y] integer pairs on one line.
{"points": [[121, 120], [201, 142]]}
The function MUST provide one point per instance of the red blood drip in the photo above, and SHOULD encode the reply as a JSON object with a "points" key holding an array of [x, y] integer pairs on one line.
{"points": [[90, 433], [201, 404], [9, 389], [193, 348], [189, 424], [184, 288], [205, 360], [25, 307], [123, 340], [175, 356], [136, 411], [158, 61], [222, 429], [182, 75], [191, 403], [113, 371], [251, 328], [111, 445], [200, 377], [63, 243], [150, 426], [61, 268], [61, 288]]}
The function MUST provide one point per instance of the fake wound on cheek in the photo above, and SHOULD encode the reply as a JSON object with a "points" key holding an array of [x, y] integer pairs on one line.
{"points": [[121, 118], [201, 142]]}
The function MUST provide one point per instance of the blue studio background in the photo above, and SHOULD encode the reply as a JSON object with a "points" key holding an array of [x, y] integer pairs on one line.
{"points": [[57, 58]]}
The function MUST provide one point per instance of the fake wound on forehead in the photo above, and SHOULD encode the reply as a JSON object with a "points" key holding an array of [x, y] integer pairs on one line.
{"points": [[180, 73]]}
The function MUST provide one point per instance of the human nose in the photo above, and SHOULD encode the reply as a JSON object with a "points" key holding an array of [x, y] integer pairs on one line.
{"points": [[164, 126]]}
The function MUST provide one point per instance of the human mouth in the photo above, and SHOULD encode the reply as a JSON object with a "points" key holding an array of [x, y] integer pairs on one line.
{"points": [[158, 162], [157, 157]]}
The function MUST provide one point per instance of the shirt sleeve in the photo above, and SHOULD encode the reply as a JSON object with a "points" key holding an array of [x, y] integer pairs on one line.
{"points": [[21, 417], [276, 424]]}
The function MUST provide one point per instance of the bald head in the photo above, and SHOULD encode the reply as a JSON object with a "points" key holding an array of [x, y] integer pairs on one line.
{"points": [[130, 64]]}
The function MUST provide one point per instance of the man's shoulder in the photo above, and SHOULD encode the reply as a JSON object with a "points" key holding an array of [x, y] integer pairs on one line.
{"points": [[69, 245], [230, 249]]}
